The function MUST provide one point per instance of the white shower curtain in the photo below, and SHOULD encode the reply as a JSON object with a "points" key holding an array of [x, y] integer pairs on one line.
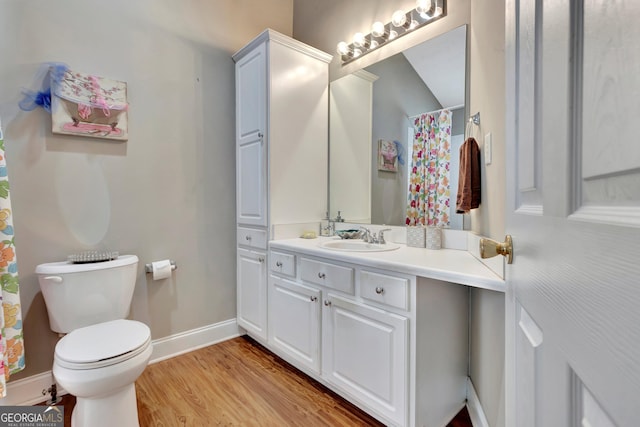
{"points": [[11, 339]]}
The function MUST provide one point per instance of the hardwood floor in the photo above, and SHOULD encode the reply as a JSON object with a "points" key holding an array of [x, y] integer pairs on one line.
{"points": [[239, 383]]}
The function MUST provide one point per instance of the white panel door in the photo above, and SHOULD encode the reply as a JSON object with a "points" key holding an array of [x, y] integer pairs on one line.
{"points": [[252, 292], [294, 321], [251, 93], [251, 134], [573, 209], [251, 181], [365, 352]]}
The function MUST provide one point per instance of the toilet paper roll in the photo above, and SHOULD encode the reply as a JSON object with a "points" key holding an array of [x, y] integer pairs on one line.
{"points": [[161, 269]]}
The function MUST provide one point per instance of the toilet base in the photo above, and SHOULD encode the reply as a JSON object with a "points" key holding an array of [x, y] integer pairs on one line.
{"points": [[117, 409]]}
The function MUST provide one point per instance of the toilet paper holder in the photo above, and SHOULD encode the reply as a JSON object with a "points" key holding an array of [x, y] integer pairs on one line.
{"points": [[148, 268]]}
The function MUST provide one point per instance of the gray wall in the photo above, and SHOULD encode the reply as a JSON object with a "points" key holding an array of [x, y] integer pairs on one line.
{"points": [[487, 95], [487, 352], [169, 192], [324, 24]]}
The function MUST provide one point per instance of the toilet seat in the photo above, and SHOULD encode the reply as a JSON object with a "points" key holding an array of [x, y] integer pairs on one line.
{"points": [[102, 344]]}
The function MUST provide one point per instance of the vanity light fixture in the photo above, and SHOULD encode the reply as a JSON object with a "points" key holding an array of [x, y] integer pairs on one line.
{"points": [[361, 41], [425, 12], [379, 32], [399, 19], [428, 8]]}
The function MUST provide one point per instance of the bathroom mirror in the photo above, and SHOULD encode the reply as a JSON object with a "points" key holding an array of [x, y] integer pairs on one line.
{"points": [[371, 118]]}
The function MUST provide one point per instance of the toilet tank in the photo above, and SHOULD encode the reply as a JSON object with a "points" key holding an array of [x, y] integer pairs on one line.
{"points": [[78, 295]]}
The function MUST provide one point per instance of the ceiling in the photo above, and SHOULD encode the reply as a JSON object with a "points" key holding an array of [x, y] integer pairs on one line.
{"points": [[440, 62]]}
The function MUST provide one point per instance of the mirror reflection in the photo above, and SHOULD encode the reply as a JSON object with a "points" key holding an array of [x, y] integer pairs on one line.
{"points": [[395, 132]]}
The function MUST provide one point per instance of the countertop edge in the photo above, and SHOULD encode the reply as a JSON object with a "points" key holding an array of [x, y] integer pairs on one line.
{"points": [[487, 279]]}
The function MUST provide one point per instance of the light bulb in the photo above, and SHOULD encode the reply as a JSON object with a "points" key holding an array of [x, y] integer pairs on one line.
{"points": [[359, 40], [431, 12], [343, 49], [377, 29], [423, 6], [438, 11], [399, 18]]}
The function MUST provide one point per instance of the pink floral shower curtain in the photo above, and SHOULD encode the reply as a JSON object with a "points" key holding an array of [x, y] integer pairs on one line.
{"points": [[11, 340], [429, 192]]}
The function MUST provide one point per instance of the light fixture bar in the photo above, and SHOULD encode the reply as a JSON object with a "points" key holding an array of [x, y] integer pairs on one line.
{"points": [[425, 12]]}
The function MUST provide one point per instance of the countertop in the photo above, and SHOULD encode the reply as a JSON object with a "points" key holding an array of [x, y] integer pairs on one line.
{"points": [[455, 266]]}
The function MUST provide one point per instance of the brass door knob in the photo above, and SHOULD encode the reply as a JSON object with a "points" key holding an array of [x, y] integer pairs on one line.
{"points": [[490, 248]]}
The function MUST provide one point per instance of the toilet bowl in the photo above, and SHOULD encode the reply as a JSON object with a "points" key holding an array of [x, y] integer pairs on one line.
{"points": [[99, 365], [102, 353]]}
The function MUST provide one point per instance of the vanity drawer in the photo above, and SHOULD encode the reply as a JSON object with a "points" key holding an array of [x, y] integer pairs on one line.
{"points": [[283, 263], [252, 238], [382, 288], [330, 275]]}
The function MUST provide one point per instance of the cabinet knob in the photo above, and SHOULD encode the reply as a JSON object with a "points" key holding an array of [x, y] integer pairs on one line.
{"points": [[313, 299], [261, 259], [379, 290], [260, 135], [327, 302], [321, 275], [248, 238], [278, 264]]}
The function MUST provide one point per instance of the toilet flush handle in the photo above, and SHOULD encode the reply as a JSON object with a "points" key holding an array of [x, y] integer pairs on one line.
{"points": [[54, 279]]}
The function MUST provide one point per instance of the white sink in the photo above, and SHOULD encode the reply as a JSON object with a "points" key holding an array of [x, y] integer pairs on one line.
{"points": [[357, 246]]}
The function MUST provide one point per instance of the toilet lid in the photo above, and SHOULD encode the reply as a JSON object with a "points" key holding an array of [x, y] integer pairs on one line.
{"points": [[102, 342]]}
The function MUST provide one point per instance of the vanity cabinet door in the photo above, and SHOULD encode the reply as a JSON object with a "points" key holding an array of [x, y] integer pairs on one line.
{"points": [[365, 353], [251, 93], [252, 292], [294, 322], [251, 181], [251, 134]]}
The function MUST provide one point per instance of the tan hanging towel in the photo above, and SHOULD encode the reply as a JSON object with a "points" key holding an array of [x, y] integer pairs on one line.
{"points": [[469, 181]]}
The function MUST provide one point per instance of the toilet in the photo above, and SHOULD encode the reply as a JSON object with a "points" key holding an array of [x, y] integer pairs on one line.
{"points": [[102, 353]]}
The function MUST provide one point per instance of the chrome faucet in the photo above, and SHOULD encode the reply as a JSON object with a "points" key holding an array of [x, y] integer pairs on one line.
{"points": [[372, 237], [366, 236], [381, 236]]}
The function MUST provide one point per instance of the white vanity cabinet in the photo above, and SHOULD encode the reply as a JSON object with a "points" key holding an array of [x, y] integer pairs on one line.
{"points": [[365, 353], [366, 346], [393, 344], [281, 156], [252, 281], [294, 322], [251, 148], [294, 314]]}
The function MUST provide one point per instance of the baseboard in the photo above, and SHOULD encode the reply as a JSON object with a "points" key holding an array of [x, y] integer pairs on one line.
{"points": [[28, 391], [478, 419], [184, 342]]}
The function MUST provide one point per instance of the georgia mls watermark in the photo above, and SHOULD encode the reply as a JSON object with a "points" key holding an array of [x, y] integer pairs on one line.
{"points": [[31, 416]]}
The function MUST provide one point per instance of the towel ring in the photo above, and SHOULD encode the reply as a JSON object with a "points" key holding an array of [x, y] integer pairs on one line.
{"points": [[473, 120]]}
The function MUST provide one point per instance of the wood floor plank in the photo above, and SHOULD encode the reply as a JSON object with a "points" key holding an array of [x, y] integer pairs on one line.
{"points": [[239, 383]]}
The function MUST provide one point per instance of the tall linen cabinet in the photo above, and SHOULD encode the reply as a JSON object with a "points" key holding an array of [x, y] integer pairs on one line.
{"points": [[281, 156]]}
